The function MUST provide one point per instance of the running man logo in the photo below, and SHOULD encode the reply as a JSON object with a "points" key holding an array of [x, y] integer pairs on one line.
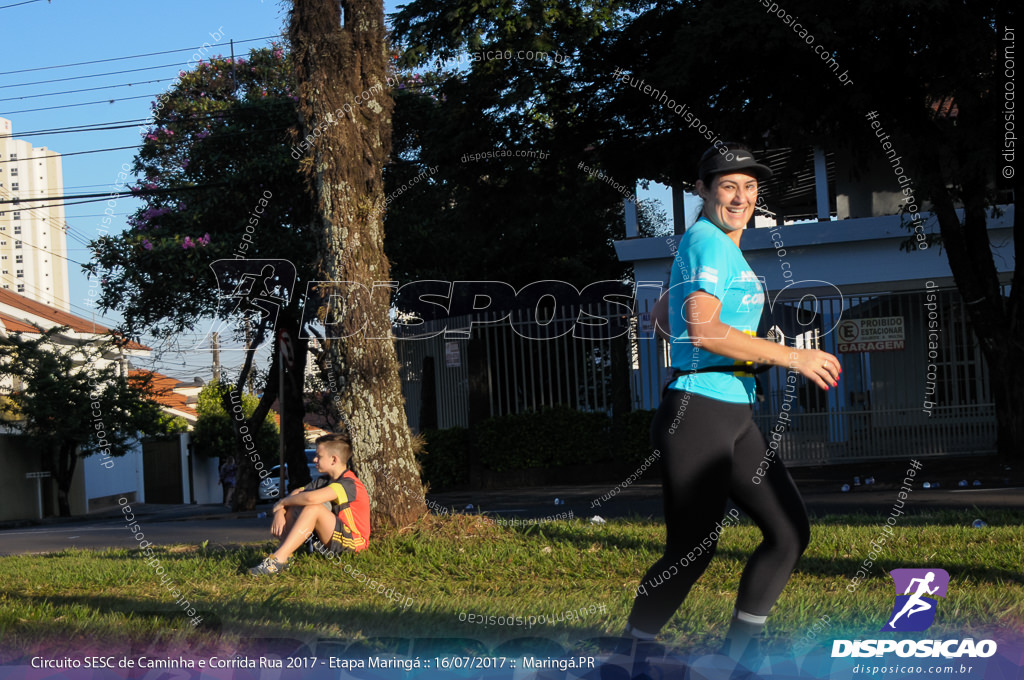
{"points": [[914, 610], [255, 290]]}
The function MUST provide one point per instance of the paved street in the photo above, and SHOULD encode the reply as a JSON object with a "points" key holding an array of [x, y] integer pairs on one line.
{"points": [[173, 524], [113, 533]]}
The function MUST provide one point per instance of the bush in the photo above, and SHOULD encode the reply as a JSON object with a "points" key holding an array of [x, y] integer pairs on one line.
{"points": [[214, 434], [548, 438], [632, 436], [552, 436], [445, 459]]}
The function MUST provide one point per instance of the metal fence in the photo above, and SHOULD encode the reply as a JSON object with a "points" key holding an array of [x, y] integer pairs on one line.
{"points": [[929, 397], [500, 367]]}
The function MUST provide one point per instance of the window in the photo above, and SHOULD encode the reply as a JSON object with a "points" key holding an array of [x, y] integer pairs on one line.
{"points": [[17, 244], [19, 273], [21, 287], [6, 287], [16, 215], [14, 186], [3, 243], [17, 228], [19, 258], [5, 272], [14, 156], [14, 172], [3, 257]]}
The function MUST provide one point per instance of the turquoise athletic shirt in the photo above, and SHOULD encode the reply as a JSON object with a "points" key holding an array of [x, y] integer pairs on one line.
{"points": [[708, 260]]}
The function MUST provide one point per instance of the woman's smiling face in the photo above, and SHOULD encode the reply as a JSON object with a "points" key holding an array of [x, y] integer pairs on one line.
{"points": [[729, 200]]}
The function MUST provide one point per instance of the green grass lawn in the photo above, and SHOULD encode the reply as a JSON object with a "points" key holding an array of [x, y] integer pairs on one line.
{"points": [[454, 567]]}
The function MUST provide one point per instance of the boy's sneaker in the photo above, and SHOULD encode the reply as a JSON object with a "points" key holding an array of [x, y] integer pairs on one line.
{"points": [[269, 566]]}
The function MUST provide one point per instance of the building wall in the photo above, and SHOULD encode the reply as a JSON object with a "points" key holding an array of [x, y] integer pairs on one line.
{"points": [[18, 496], [206, 480], [33, 232], [99, 482]]}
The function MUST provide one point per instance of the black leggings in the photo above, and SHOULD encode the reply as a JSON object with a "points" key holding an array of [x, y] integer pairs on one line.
{"points": [[710, 452]]}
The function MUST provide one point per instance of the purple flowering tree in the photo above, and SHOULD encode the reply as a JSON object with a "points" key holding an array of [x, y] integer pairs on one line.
{"points": [[217, 181]]}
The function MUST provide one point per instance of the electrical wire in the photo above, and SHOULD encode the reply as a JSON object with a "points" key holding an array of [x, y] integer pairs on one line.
{"points": [[85, 89], [85, 127], [71, 106], [133, 56], [19, 4], [116, 125], [94, 75], [224, 115]]}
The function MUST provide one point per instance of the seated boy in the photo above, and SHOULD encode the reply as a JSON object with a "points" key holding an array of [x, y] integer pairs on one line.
{"points": [[334, 505]]}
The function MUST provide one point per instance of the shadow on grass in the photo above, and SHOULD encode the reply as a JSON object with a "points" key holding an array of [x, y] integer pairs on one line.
{"points": [[246, 625], [833, 567]]}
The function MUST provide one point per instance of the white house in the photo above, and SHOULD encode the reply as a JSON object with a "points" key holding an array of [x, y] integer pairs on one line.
{"points": [[163, 468], [837, 278]]}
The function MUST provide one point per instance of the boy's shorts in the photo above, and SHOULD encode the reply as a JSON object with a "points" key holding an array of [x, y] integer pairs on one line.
{"points": [[336, 545]]}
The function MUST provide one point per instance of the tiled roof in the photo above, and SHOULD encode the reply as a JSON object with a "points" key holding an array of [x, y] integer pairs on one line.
{"points": [[52, 314], [163, 392]]}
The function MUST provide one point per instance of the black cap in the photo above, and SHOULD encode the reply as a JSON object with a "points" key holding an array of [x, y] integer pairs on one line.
{"points": [[725, 157]]}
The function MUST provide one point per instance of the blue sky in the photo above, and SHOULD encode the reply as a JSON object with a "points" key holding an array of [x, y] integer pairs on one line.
{"points": [[44, 34]]}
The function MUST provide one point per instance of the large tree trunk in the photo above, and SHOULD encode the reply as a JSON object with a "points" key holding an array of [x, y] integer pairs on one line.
{"points": [[292, 428], [996, 320], [1007, 385], [67, 459], [341, 64]]}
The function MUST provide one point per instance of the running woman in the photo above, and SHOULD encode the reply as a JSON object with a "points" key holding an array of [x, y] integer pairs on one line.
{"points": [[711, 451]]}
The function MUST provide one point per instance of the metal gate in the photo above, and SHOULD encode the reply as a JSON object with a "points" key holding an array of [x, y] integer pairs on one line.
{"points": [[931, 397]]}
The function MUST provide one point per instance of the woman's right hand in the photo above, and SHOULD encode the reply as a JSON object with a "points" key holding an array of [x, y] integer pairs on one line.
{"points": [[820, 367]]}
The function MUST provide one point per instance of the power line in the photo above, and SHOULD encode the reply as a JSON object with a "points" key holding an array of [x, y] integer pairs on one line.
{"points": [[71, 106], [133, 56], [93, 75], [71, 153], [115, 125], [85, 89], [140, 192], [19, 4], [86, 127], [36, 290]]}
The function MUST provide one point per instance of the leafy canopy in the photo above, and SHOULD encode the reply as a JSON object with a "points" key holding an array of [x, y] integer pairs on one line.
{"points": [[218, 181], [213, 435]]}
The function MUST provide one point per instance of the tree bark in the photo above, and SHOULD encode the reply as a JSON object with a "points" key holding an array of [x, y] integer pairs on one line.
{"points": [[344, 103], [996, 320], [67, 459], [292, 428]]}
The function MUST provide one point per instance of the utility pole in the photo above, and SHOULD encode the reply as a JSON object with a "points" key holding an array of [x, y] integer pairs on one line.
{"points": [[216, 356], [234, 76], [248, 346]]}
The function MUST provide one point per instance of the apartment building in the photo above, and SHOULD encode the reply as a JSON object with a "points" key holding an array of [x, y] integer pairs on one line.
{"points": [[33, 242]]}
